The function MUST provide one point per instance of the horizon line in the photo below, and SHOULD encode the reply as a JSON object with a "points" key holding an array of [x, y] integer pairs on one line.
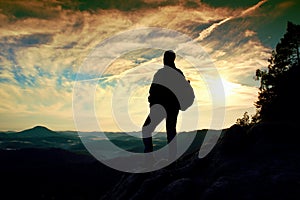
{"points": [[43, 126]]}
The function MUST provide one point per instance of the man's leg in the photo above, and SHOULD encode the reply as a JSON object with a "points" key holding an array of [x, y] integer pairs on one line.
{"points": [[171, 122], [147, 140], [157, 114]]}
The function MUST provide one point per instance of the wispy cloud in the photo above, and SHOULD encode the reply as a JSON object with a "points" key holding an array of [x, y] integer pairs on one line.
{"points": [[205, 33], [44, 46]]}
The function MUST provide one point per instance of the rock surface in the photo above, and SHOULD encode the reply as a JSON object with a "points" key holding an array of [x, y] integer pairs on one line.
{"points": [[260, 163]]}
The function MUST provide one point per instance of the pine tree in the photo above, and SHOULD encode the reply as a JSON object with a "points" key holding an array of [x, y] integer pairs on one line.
{"points": [[278, 96]]}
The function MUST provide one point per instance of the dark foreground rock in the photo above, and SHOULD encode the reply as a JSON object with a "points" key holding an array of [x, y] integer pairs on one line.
{"points": [[260, 163], [53, 174]]}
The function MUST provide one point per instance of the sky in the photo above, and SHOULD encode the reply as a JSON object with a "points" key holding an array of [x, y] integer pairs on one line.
{"points": [[45, 46]]}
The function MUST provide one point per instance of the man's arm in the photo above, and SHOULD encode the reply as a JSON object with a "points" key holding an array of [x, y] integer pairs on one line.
{"points": [[154, 89]]}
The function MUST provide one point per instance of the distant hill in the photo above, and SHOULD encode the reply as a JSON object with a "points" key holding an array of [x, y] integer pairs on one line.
{"points": [[42, 138], [37, 131]]}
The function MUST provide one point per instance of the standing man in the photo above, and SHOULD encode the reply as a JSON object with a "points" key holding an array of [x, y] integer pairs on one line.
{"points": [[165, 101]]}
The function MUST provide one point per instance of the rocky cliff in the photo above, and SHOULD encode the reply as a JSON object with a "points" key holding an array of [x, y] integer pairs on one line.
{"points": [[262, 162]]}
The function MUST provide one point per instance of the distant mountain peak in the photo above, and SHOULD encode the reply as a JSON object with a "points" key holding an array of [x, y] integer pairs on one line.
{"points": [[40, 128], [38, 131]]}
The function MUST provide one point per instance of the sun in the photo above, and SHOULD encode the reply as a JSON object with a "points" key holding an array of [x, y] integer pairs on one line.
{"points": [[230, 88]]}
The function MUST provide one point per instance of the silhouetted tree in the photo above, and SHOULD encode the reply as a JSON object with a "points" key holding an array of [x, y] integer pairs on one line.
{"points": [[244, 121], [278, 96]]}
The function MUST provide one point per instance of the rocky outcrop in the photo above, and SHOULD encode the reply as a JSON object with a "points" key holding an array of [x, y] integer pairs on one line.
{"points": [[53, 174], [260, 163]]}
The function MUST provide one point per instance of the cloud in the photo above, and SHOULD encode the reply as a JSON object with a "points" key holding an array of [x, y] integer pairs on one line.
{"points": [[34, 39], [249, 33], [25, 106], [18, 9], [205, 33], [240, 64], [45, 43]]}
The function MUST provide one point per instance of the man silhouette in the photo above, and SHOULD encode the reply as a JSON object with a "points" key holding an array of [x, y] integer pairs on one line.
{"points": [[164, 103]]}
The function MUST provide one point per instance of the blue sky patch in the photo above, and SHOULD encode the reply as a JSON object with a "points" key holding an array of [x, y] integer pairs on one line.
{"points": [[23, 80]]}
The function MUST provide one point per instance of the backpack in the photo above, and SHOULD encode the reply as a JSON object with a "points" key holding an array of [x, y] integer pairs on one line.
{"points": [[187, 94], [176, 82]]}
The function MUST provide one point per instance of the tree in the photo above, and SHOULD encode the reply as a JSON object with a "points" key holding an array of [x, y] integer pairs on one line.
{"points": [[278, 99], [244, 121]]}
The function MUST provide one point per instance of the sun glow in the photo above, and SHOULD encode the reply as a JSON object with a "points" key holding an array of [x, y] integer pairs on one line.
{"points": [[230, 88], [43, 51]]}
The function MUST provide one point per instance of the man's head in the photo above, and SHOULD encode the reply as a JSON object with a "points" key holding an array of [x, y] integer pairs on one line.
{"points": [[169, 58]]}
